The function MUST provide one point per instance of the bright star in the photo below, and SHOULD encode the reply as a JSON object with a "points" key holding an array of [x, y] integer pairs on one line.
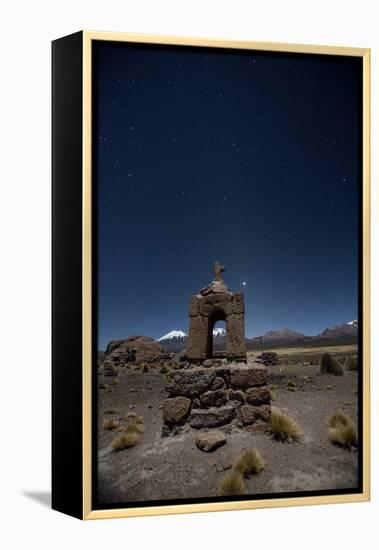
{"points": [[243, 283]]}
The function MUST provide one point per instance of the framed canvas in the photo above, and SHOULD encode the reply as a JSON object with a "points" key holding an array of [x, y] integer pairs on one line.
{"points": [[210, 275]]}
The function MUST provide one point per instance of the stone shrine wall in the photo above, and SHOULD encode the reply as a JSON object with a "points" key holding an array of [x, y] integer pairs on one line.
{"points": [[226, 396]]}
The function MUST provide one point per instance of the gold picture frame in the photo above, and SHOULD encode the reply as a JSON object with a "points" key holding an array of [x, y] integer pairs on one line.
{"points": [[87, 511]]}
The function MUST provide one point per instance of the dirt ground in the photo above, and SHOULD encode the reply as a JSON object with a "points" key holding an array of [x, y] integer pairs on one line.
{"points": [[160, 468]]}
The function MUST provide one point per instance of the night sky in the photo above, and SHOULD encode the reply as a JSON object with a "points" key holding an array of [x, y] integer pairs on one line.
{"points": [[247, 158]]}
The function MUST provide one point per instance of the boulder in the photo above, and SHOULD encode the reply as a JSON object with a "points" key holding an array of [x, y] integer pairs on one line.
{"points": [[176, 410], [247, 377], [251, 414], [258, 396], [210, 441], [212, 418], [136, 349]]}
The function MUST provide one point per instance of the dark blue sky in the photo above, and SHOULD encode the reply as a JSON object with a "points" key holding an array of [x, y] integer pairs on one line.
{"points": [[243, 157]]}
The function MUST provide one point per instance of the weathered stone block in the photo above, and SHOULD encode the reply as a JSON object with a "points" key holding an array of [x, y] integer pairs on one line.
{"points": [[246, 377], [194, 306], [189, 383], [216, 398], [237, 395], [235, 336], [238, 303], [210, 441], [212, 418], [176, 410], [258, 396], [209, 303], [218, 383], [251, 414], [197, 339]]}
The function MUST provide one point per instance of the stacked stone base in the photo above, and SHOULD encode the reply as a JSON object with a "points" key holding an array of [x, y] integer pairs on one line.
{"points": [[218, 397]]}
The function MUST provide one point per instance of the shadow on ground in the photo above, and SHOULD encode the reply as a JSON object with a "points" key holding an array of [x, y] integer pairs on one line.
{"points": [[41, 497]]}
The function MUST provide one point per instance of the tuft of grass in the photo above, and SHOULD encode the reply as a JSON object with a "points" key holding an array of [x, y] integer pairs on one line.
{"points": [[351, 364], [342, 430], [124, 441], [110, 424], [328, 387], [131, 414], [134, 427], [250, 462], [283, 427], [102, 386], [114, 382], [291, 384], [145, 368], [164, 370], [232, 484], [330, 365], [337, 418]]}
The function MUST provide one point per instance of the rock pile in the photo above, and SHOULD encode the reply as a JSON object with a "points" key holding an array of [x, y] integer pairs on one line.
{"points": [[135, 349], [219, 396], [269, 358]]}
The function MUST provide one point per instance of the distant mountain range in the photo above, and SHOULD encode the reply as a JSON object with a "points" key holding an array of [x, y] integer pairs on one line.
{"points": [[345, 333]]}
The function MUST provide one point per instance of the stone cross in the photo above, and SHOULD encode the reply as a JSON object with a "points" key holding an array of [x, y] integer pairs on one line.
{"points": [[218, 269]]}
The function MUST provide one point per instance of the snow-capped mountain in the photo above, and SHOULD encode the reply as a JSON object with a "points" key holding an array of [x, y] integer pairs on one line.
{"points": [[176, 340], [173, 335]]}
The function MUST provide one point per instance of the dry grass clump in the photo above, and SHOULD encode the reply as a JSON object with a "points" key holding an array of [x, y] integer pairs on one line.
{"points": [[130, 432], [110, 424], [342, 430], [124, 441], [283, 427], [330, 365], [291, 384], [232, 484], [145, 368], [250, 462], [102, 386], [351, 364], [164, 370], [134, 427]]}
